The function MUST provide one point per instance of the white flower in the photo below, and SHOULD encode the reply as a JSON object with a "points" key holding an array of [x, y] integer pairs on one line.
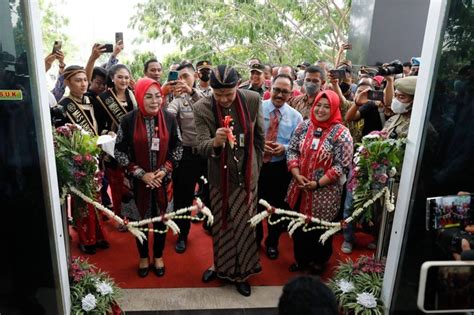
{"points": [[88, 302], [345, 286], [103, 288], [367, 300], [372, 136], [392, 172]]}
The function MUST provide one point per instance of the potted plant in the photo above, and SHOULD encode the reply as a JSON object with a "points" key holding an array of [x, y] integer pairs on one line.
{"points": [[358, 285], [92, 291]]}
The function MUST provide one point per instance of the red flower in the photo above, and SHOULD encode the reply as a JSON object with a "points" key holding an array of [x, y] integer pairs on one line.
{"points": [[79, 175], [88, 157], [375, 165], [77, 159], [63, 130]]}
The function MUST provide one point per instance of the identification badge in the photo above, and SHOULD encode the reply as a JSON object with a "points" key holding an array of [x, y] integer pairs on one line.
{"points": [[315, 144], [155, 144], [242, 140]]}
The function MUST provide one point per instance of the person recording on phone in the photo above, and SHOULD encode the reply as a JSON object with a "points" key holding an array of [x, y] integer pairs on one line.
{"points": [[57, 54], [98, 50]]}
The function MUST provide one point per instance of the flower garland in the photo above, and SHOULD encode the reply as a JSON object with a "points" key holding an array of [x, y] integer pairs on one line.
{"points": [[167, 219], [358, 285], [300, 220], [92, 291]]}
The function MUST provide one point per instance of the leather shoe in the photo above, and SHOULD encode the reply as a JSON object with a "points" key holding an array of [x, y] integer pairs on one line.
{"points": [[143, 272], [180, 245], [294, 267], [159, 271], [272, 252], [208, 276], [243, 288], [102, 244], [87, 249]]}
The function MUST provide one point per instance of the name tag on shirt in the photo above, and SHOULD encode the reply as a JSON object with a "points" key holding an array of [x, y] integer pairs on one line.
{"points": [[155, 144], [242, 140], [315, 144]]}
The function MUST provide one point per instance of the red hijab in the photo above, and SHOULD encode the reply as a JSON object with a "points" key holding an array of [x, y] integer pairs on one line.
{"points": [[334, 102], [142, 147]]}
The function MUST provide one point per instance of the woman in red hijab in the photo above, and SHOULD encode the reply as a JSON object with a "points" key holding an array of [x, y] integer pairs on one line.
{"points": [[148, 146], [319, 154]]}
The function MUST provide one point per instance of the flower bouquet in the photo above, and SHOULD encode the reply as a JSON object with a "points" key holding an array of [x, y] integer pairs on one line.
{"points": [[358, 285], [76, 160], [376, 160], [92, 291]]}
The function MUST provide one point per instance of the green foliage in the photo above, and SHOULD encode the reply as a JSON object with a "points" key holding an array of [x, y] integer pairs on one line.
{"points": [[52, 26], [136, 64], [278, 31], [457, 48]]}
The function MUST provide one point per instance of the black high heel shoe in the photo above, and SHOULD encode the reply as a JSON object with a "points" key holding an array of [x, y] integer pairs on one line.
{"points": [[143, 272], [159, 271], [87, 249]]}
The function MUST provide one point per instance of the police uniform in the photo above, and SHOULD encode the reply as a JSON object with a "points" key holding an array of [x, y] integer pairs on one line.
{"points": [[204, 64]]}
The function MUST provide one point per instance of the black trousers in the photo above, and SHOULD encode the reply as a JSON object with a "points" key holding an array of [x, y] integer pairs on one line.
{"points": [[308, 249], [158, 238], [185, 176], [272, 187]]}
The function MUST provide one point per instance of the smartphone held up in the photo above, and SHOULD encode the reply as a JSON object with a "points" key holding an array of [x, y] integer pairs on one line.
{"points": [[119, 38], [57, 46]]}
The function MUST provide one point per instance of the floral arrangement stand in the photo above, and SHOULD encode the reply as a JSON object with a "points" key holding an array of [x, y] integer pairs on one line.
{"points": [[92, 291], [377, 162], [358, 286]]}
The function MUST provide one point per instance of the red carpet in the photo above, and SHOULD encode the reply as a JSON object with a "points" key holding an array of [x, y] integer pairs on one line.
{"points": [[185, 270]]}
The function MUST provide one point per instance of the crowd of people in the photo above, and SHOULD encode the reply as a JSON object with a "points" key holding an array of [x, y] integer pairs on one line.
{"points": [[286, 135]]}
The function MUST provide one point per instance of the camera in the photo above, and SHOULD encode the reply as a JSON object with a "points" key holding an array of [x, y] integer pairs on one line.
{"points": [[457, 238], [394, 67]]}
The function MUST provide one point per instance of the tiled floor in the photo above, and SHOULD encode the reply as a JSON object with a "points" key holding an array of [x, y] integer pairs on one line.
{"points": [[220, 300]]}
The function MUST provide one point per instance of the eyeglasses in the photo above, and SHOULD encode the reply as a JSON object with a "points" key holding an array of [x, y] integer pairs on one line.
{"points": [[277, 91]]}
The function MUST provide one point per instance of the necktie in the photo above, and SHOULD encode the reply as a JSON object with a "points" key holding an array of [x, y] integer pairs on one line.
{"points": [[272, 131]]}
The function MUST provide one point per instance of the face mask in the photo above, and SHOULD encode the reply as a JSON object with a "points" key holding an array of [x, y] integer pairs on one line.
{"points": [[399, 107], [300, 82], [311, 88], [205, 77]]}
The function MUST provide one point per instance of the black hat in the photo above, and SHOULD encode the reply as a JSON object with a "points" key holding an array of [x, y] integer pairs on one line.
{"points": [[203, 64], [257, 67], [224, 76], [304, 64]]}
